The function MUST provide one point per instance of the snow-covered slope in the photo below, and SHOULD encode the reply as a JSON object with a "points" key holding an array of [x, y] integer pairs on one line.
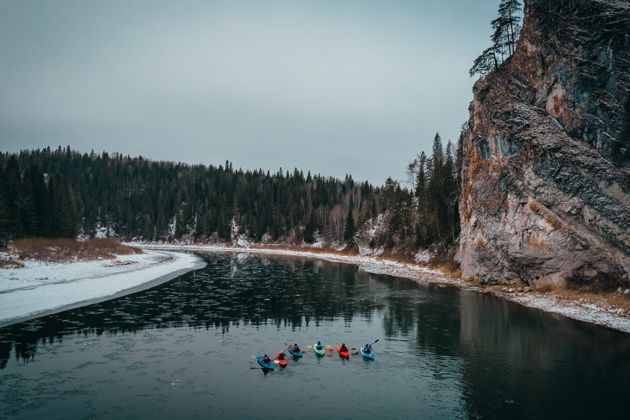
{"points": [[43, 288]]}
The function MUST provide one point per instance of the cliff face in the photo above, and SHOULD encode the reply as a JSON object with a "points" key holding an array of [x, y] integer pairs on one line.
{"points": [[546, 167]]}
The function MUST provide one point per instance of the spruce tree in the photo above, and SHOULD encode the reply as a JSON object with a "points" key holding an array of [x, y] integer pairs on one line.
{"points": [[34, 210], [4, 211], [14, 199], [350, 228], [64, 215]]}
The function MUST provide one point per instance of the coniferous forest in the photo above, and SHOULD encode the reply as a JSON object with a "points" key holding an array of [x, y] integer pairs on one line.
{"points": [[63, 193]]}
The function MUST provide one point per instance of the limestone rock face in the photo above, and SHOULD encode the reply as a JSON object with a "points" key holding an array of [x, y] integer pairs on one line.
{"points": [[546, 162]]}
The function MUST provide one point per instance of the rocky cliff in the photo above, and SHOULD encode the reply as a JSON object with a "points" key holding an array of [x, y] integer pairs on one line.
{"points": [[546, 168]]}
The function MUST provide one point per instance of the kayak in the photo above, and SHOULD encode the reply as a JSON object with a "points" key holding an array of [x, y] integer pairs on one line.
{"points": [[296, 353], [282, 362], [269, 365], [367, 356], [319, 352], [343, 353]]}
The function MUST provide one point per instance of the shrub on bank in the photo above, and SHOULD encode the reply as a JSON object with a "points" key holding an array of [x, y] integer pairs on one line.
{"points": [[67, 250]]}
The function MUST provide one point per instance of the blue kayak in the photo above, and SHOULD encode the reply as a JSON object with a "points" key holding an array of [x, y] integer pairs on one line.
{"points": [[296, 353], [269, 365], [367, 356]]}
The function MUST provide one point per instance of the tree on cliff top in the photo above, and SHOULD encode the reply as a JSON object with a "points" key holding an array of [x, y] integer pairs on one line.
{"points": [[506, 31]]}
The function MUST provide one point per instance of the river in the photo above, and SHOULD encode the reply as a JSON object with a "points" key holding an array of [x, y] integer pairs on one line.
{"points": [[187, 349]]}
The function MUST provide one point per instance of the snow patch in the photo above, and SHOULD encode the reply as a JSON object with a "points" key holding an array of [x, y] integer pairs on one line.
{"points": [[42, 288], [367, 251], [238, 239], [422, 256]]}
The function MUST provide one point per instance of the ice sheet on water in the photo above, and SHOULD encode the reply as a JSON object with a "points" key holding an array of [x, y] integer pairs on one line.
{"points": [[43, 288]]}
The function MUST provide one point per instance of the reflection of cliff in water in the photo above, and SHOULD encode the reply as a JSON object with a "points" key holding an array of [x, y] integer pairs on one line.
{"points": [[231, 290], [513, 359], [520, 356]]}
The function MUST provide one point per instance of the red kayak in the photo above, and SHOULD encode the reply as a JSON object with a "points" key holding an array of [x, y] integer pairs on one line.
{"points": [[281, 359], [343, 353]]}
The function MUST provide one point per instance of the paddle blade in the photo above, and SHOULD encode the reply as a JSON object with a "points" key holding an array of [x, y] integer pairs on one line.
{"points": [[331, 349], [328, 346], [310, 346]]}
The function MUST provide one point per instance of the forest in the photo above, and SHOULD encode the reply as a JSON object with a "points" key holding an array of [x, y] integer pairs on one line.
{"points": [[64, 193]]}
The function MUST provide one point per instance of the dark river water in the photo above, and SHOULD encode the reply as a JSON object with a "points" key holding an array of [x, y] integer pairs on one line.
{"points": [[186, 349]]}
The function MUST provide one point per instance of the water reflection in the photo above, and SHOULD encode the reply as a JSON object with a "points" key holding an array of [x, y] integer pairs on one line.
{"points": [[231, 290], [459, 353]]}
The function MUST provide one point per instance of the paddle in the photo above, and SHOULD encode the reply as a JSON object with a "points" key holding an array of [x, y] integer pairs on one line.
{"points": [[310, 346], [375, 341]]}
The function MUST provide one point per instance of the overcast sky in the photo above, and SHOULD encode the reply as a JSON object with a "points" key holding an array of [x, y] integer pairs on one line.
{"points": [[333, 87]]}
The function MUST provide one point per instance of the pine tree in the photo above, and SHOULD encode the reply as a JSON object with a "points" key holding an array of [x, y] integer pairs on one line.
{"points": [[64, 216], [14, 200], [350, 229], [506, 32], [438, 153], [509, 24], [310, 229], [34, 209], [421, 183], [5, 221]]}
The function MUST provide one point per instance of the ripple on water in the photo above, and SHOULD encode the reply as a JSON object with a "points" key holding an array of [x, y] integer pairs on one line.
{"points": [[187, 348]]}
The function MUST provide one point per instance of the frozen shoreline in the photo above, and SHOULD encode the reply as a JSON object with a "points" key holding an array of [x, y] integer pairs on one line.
{"points": [[41, 289], [614, 318]]}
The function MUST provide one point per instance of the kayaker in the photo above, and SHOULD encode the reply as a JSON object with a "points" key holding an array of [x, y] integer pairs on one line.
{"points": [[343, 347], [266, 359], [367, 349], [319, 345], [295, 348], [281, 356]]}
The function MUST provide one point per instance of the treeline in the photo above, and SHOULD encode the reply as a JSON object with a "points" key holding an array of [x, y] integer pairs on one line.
{"points": [[142, 199], [31, 205], [426, 214], [63, 193]]}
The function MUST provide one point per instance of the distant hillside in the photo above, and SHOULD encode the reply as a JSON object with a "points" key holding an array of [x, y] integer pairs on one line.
{"points": [[64, 193]]}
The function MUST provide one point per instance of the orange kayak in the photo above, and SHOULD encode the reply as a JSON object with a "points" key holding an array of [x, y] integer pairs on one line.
{"points": [[282, 362], [343, 353]]}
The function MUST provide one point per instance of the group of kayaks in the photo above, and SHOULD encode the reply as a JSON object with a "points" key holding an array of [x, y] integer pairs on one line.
{"points": [[319, 349]]}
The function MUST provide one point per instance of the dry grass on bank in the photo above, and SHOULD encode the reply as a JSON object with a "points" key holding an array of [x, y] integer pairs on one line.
{"points": [[67, 250], [8, 262], [611, 298]]}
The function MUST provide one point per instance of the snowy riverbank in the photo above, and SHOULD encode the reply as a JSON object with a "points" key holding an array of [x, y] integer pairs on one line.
{"points": [[41, 288], [616, 318]]}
